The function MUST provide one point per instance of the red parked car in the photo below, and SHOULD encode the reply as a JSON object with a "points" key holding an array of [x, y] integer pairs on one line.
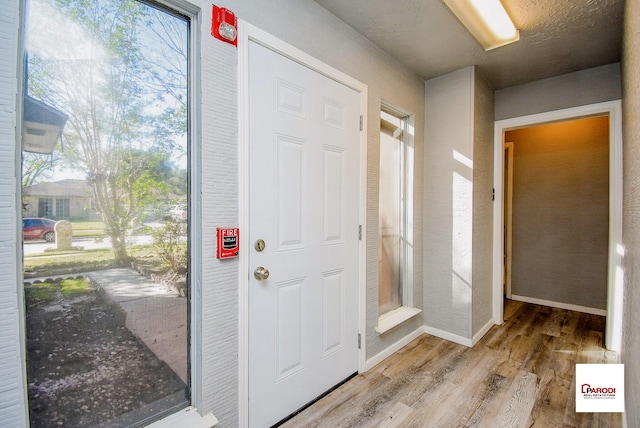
{"points": [[39, 228]]}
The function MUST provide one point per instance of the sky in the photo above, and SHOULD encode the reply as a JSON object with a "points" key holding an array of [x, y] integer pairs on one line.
{"points": [[55, 37]]}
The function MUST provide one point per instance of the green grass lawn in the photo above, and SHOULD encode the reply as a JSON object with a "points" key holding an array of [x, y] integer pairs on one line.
{"points": [[48, 291], [99, 258], [83, 229], [68, 257], [55, 262]]}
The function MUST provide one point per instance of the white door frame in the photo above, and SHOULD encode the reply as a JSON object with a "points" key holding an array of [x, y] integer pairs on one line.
{"points": [[249, 33], [613, 333]]}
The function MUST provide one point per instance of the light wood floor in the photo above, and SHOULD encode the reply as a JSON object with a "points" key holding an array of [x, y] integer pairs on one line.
{"points": [[519, 375]]}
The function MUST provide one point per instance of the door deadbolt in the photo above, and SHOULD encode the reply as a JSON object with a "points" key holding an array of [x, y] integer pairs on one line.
{"points": [[261, 273], [259, 245]]}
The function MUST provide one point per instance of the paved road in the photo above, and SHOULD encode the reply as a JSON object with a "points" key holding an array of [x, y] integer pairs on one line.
{"points": [[38, 247]]}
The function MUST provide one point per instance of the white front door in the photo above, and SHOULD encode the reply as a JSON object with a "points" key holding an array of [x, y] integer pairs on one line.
{"points": [[304, 201]]}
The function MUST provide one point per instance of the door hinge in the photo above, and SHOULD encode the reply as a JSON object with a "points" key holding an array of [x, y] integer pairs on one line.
{"points": [[493, 194], [359, 232], [361, 122], [359, 341]]}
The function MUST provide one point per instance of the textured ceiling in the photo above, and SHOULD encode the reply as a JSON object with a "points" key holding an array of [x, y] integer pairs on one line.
{"points": [[556, 36]]}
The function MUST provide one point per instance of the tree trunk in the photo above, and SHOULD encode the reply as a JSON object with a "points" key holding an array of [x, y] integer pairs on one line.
{"points": [[108, 207], [119, 251]]}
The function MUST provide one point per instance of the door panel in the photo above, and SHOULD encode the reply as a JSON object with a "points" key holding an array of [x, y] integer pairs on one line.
{"points": [[304, 202], [333, 174], [289, 327], [332, 298], [291, 193]]}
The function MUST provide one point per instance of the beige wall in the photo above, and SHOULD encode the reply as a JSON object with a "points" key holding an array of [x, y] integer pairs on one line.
{"points": [[631, 214], [561, 212]]}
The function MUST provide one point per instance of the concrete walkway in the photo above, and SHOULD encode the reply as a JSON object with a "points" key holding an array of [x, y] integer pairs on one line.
{"points": [[158, 318]]}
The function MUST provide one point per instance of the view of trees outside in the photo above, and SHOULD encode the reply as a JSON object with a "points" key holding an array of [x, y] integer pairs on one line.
{"points": [[118, 70], [106, 318]]}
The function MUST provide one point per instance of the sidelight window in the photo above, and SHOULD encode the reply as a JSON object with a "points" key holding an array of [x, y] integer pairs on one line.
{"points": [[106, 305], [395, 210]]}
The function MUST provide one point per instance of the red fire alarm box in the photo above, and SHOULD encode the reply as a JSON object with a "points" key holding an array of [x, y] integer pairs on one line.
{"points": [[224, 25], [228, 242]]}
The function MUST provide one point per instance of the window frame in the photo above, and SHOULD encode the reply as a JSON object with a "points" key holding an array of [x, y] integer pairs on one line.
{"points": [[194, 414], [63, 207], [407, 310], [46, 207]]}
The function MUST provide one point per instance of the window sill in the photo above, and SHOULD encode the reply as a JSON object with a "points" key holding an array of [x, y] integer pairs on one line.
{"points": [[188, 417], [395, 317]]}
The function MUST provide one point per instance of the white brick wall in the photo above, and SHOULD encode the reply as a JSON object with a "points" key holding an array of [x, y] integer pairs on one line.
{"points": [[12, 381], [219, 203]]}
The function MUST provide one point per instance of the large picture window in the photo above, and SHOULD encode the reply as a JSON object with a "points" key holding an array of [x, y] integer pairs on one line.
{"points": [[105, 147]]}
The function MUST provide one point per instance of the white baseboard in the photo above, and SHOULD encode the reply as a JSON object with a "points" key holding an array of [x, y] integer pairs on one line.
{"points": [[371, 362], [485, 328], [559, 305], [448, 336]]}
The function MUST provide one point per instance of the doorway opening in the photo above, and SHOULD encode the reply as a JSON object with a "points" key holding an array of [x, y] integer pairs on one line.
{"points": [[556, 209], [508, 216], [610, 112]]}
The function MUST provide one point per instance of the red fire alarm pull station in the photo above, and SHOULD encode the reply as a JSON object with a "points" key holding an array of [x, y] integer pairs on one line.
{"points": [[228, 242], [224, 25]]}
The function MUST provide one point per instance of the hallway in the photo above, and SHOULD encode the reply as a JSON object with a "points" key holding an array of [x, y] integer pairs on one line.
{"points": [[519, 375]]}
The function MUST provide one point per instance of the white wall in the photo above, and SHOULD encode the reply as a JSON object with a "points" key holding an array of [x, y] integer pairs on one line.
{"points": [[482, 205], [631, 213], [448, 202], [458, 207], [590, 86], [307, 26]]}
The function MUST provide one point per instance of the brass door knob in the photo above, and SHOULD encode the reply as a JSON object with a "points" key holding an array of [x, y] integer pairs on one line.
{"points": [[261, 273]]}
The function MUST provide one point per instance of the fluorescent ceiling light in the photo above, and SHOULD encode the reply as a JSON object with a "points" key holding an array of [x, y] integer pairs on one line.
{"points": [[486, 20]]}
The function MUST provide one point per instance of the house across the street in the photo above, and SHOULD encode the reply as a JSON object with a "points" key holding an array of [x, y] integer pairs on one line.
{"points": [[60, 200]]}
